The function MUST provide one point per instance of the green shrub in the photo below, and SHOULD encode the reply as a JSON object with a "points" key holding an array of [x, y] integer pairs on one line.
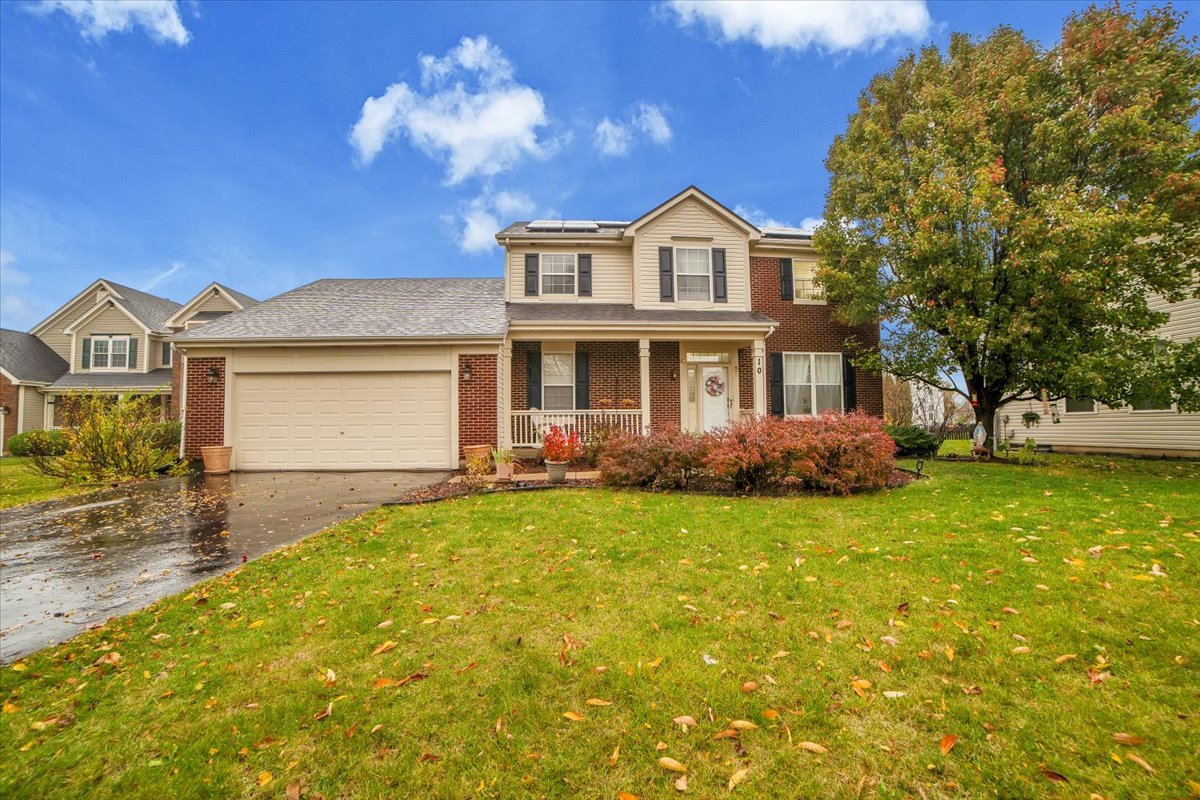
{"points": [[38, 443], [913, 440], [110, 438]]}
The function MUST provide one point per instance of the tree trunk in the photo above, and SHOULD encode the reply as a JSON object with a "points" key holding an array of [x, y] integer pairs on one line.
{"points": [[985, 414]]}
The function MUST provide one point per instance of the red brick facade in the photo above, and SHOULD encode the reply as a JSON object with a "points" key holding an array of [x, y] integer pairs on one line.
{"points": [[745, 370], [664, 385], [205, 406], [176, 380], [614, 374], [477, 400], [8, 399], [811, 329]]}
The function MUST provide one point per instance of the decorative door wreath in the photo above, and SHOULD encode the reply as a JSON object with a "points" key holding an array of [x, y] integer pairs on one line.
{"points": [[714, 386]]}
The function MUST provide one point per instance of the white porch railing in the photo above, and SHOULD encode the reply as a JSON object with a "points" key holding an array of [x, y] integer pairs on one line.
{"points": [[527, 426]]}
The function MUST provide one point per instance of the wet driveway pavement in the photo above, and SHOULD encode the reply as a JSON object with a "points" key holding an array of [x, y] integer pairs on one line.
{"points": [[66, 565]]}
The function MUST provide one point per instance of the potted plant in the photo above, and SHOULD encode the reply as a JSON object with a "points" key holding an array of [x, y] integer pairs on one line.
{"points": [[476, 452], [505, 462], [1031, 418], [558, 448]]}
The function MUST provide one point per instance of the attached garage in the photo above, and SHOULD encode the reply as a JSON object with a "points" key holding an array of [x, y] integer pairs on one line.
{"points": [[342, 421]]}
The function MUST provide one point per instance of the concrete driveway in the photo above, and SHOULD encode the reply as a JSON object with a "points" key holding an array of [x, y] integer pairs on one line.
{"points": [[69, 564]]}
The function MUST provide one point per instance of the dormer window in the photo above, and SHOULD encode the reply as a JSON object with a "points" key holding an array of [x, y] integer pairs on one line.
{"points": [[558, 273], [693, 273], [110, 352]]}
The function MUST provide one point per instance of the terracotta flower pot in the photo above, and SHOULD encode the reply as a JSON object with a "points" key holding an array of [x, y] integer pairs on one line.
{"points": [[216, 459], [504, 472], [556, 471], [477, 452]]}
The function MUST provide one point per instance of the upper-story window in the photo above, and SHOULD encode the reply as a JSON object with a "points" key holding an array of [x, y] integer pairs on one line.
{"points": [[558, 273], [693, 273], [110, 352]]}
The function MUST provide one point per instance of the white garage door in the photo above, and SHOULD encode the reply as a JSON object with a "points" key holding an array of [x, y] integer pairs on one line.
{"points": [[352, 420]]}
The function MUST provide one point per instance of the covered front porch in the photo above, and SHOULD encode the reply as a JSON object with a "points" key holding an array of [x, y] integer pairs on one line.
{"points": [[631, 384]]}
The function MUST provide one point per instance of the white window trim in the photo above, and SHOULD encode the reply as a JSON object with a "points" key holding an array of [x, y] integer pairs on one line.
{"points": [[570, 360], [812, 363], [574, 274], [675, 269], [1066, 411], [110, 338], [817, 295], [1172, 409]]}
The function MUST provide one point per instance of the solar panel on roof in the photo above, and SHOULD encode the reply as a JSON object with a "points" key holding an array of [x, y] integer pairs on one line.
{"points": [[545, 225], [579, 225]]}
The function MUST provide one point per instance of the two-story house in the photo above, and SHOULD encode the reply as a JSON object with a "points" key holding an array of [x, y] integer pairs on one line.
{"points": [[688, 316], [108, 338]]}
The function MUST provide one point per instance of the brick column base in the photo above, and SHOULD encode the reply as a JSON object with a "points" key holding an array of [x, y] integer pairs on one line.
{"points": [[204, 416]]}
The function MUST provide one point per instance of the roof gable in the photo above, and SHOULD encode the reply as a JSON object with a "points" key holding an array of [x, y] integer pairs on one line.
{"points": [[693, 193], [239, 300], [107, 303], [150, 311]]}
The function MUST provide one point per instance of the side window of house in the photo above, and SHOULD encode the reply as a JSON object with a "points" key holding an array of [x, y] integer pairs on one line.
{"points": [[558, 273], [558, 381], [812, 383], [166, 354], [1080, 405]]}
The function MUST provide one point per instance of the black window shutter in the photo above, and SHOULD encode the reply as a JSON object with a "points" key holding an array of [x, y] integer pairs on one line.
{"points": [[849, 386], [666, 274], [531, 274], [534, 374], [787, 287], [720, 284], [777, 384], [86, 361], [581, 379], [132, 352], [585, 276]]}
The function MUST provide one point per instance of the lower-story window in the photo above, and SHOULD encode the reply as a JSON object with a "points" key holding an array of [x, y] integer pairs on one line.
{"points": [[1080, 405], [812, 383], [558, 381]]}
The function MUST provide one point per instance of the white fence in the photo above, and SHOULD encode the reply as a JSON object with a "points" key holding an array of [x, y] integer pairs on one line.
{"points": [[527, 426]]}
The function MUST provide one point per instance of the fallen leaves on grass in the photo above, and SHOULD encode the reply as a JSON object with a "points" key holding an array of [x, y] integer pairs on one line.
{"points": [[616, 753], [383, 648], [812, 747], [383, 683], [1128, 739], [666, 762], [264, 778], [743, 725], [596, 701], [681, 783], [684, 722], [948, 742], [1141, 762], [738, 777], [574, 716], [1057, 777]]}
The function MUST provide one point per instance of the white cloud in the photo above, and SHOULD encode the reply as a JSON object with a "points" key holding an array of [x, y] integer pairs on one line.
{"points": [[827, 25], [470, 111], [759, 218], [481, 219], [168, 273], [617, 138], [98, 18], [14, 309]]}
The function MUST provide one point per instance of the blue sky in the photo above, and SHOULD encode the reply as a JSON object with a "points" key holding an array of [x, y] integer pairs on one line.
{"points": [[265, 145]]}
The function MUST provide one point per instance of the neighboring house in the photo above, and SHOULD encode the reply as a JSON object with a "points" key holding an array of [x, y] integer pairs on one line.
{"points": [[108, 338], [1148, 426], [688, 316]]}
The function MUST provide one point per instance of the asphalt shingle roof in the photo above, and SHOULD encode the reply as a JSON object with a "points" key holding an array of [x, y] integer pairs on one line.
{"points": [[150, 310], [366, 308], [28, 358], [245, 299], [115, 380], [607, 230], [622, 312]]}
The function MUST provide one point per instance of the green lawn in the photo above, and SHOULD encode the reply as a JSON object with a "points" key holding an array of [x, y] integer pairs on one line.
{"points": [[19, 484], [874, 627]]}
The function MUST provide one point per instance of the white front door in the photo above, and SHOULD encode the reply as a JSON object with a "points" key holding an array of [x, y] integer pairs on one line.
{"points": [[714, 397]]}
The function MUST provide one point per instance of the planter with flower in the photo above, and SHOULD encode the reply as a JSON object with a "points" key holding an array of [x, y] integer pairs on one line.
{"points": [[506, 461], [558, 449]]}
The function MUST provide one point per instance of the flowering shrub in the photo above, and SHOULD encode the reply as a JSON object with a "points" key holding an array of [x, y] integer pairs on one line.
{"points": [[660, 460], [559, 446], [836, 453]]}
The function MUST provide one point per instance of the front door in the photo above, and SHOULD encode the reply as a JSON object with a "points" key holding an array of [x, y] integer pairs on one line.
{"points": [[714, 394]]}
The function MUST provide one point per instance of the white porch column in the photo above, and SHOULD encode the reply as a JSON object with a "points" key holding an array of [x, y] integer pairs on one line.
{"points": [[644, 363], [503, 397], [759, 365]]}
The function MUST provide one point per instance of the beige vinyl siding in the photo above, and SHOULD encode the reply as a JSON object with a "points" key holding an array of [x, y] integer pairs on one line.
{"points": [[692, 219], [53, 334], [155, 353], [1121, 430], [612, 274], [33, 409], [111, 320], [214, 302]]}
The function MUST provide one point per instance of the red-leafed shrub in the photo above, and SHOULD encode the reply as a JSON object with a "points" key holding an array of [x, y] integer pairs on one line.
{"points": [[754, 454], [842, 453], [559, 446], [660, 460]]}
